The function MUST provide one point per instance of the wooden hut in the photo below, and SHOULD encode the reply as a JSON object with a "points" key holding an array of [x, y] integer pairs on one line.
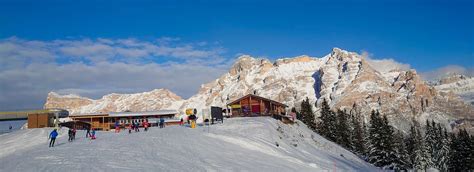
{"points": [[44, 118], [252, 105], [98, 121], [106, 121]]}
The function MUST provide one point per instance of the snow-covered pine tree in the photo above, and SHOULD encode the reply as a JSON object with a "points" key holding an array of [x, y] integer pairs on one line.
{"points": [[442, 155], [375, 154], [411, 146], [381, 152], [358, 133], [327, 126], [302, 110], [429, 144], [420, 156], [387, 136], [307, 114], [342, 130], [465, 151], [454, 155], [401, 151], [472, 152]]}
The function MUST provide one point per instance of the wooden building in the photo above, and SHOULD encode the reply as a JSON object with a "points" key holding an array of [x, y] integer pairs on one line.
{"points": [[44, 118], [252, 105], [106, 121]]}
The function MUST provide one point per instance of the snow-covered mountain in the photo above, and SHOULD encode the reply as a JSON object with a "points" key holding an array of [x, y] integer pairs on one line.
{"points": [[458, 84], [343, 78], [147, 101]]}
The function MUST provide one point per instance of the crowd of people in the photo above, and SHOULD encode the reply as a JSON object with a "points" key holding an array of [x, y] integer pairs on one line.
{"points": [[71, 135], [133, 126]]}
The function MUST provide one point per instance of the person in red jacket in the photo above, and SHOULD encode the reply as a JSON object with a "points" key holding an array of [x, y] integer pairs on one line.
{"points": [[145, 124]]}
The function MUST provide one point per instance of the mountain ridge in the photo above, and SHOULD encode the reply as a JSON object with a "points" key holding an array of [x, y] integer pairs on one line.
{"points": [[343, 78]]}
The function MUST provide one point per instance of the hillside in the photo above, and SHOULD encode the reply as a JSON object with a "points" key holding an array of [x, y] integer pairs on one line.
{"points": [[247, 144]]}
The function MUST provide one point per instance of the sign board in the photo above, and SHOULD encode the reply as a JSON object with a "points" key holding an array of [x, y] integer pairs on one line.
{"points": [[235, 106], [190, 111]]}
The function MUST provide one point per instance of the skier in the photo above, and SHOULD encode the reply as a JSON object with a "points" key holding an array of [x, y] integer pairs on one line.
{"points": [[145, 125], [88, 133], [93, 134], [129, 128], [10, 128], [162, 122], [73, 133], [117, 127], [137, 125], [69, 133], [181, 122], [52, 136]]}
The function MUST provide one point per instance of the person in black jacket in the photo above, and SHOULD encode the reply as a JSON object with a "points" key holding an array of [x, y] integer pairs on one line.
{"points": [[88, 133], [69, 133]]}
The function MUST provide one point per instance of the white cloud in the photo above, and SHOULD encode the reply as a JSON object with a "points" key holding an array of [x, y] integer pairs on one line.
{"points": [[384, 65], [92, 68], [447, 71]]}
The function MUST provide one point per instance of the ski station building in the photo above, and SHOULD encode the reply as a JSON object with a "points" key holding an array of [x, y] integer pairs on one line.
{"points": [[106, 121], [253, 105]]}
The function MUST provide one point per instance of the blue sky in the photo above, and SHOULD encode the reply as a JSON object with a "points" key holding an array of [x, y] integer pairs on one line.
{"points": [[424, 34], [427, 35]]}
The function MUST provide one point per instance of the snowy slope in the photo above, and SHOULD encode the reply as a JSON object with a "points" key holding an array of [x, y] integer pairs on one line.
{"points": [[240, 144]]}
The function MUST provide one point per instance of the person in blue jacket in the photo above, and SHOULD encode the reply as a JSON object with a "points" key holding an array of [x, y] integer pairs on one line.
{"points": [[53, 136], [93, 134], [162, 122]]}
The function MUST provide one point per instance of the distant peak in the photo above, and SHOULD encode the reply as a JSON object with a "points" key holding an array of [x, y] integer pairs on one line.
{"points": [[245, 57], [54, 94]]}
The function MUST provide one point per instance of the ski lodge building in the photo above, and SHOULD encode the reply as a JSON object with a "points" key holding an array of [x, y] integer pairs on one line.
{"points": [[36, 118], [252, 105], [106, 121]]}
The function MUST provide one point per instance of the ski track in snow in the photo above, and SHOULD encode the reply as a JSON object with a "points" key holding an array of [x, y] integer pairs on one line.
{"points": [[240, 144]]}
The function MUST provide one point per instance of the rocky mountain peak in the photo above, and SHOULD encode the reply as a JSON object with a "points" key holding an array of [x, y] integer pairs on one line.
{"points": [[243, 63]]}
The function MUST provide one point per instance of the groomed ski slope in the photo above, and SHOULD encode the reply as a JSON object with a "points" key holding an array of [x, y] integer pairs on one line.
{"points": [[240, 144]]}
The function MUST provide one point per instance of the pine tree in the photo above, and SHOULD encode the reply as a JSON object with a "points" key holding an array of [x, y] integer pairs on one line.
{"points": [[411, 146], [419, 156], [465, 151], [429, 144], [381, 151], [358, 135], [442, 155], [303, 111], [387, 136], [460, 157], [327, 126], [401, 150], [454, 156], [342, 130], [366, 139], [307, 114]]}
